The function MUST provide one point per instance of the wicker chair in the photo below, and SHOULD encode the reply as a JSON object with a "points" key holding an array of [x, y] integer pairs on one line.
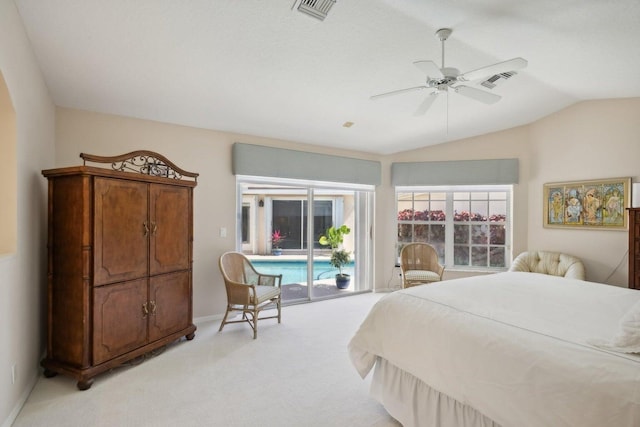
{"points": [[419, 264], [248, 291]]}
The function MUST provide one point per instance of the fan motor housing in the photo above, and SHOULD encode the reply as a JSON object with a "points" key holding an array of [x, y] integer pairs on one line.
{"points": [[450, 76]]}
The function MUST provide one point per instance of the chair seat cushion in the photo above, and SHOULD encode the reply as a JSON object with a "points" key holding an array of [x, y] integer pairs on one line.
{"points": [[265, 293], [421, 275]]}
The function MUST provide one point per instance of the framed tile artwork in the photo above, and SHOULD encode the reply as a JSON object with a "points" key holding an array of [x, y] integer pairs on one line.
{"points": [[596, 204]]}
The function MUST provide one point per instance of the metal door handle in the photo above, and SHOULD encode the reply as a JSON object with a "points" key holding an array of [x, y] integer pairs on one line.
{"points": [[145, 310]]}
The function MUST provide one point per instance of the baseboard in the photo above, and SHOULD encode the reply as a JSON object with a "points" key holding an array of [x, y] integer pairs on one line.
{"points": [[20, 403], [204, 319]]}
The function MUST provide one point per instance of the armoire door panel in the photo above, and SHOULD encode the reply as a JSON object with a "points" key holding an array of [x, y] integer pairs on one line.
{"points": [[170, 228], [170, 297], [121, 230], [120, 318]]}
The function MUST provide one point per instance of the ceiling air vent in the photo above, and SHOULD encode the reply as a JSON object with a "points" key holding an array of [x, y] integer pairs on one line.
{"points": [[497, 79], [316, 8]]}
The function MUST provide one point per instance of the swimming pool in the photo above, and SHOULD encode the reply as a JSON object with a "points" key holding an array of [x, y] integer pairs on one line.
{"points": [[295, 271]]}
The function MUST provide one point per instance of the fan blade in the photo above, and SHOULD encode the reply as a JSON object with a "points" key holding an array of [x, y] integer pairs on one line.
{"points": [[429, 68], [477, 94], [396, 92], [490, 70], [426, 104]]}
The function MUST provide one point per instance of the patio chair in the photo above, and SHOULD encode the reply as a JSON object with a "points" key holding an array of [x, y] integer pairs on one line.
{"points": [[419, 264], [248, 291]]}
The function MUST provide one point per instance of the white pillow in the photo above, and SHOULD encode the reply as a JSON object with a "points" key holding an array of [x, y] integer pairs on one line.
{"points": [[627, 337]]}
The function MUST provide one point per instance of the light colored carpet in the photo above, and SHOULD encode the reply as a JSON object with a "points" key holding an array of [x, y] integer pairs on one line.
{"points": [[295, 374]]}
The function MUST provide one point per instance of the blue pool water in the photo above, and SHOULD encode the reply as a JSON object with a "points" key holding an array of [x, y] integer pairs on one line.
{"points": [[295, 271]]}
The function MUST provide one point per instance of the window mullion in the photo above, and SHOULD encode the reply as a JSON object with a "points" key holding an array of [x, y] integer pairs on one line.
{"points": [[508, 220], [448, 230]]}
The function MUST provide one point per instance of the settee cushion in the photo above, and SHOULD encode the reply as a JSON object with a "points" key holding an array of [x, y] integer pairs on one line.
{"points": [[553, 263]]}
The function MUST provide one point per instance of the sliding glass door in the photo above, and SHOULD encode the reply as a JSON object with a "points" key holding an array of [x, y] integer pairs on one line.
{"points": [[286, 218]]}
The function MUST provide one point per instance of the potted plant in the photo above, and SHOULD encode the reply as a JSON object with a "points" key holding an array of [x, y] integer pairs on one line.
{"points": [[339, 257], [276, 239], [334, 236]]}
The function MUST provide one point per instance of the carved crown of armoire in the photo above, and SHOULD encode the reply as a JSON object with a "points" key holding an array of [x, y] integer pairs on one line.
{"points": [[120, 242]]}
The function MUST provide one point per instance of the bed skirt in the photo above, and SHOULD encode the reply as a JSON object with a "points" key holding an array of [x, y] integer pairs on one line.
{"points": [[414, 404]]}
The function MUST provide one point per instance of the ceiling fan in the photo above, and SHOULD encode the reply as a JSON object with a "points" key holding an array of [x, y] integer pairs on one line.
{"points": [[448, 78]]}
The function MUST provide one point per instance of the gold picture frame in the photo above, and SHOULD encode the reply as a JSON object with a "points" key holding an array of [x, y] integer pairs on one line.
{"points": [[596, 204]]}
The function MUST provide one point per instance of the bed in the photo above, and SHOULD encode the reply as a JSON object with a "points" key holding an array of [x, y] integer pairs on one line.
{"points": [[509, 349]]}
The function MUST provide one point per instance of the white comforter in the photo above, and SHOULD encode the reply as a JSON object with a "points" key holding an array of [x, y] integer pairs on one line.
{"points": [[514, 346]]}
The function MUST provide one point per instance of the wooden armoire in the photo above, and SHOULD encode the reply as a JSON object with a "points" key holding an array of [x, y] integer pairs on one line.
{"points": [[120, 239], [634, 248]]}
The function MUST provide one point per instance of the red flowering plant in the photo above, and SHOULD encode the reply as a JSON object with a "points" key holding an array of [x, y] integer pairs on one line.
{"points": [[409, 224], [276, 239]]}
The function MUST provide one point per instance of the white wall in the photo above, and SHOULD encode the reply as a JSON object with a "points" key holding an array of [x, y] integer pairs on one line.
{"points": [[23, 274]]}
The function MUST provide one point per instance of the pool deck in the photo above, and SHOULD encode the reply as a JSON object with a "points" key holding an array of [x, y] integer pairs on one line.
{"points": [[284, 258], [324, 288], [298, 291]]}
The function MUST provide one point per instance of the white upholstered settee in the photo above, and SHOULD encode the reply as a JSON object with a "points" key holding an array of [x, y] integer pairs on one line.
{"points": [[553, 263]]}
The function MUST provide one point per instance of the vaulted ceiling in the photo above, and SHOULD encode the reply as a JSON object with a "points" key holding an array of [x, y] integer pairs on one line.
{"points": [[261, 67]]}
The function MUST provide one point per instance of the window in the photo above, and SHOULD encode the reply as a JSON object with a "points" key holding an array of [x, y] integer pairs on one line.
{"points": [[470, 226], [290, 217]]}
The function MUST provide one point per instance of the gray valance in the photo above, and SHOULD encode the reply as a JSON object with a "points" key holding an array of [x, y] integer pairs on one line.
{"points": [[455, 172], [259, 160]]}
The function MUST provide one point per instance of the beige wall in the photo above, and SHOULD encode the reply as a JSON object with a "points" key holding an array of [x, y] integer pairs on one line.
{"points": [[512, 143], [593, 139], [589, 140], [203, 151], [536, 146], [22, 274]]}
